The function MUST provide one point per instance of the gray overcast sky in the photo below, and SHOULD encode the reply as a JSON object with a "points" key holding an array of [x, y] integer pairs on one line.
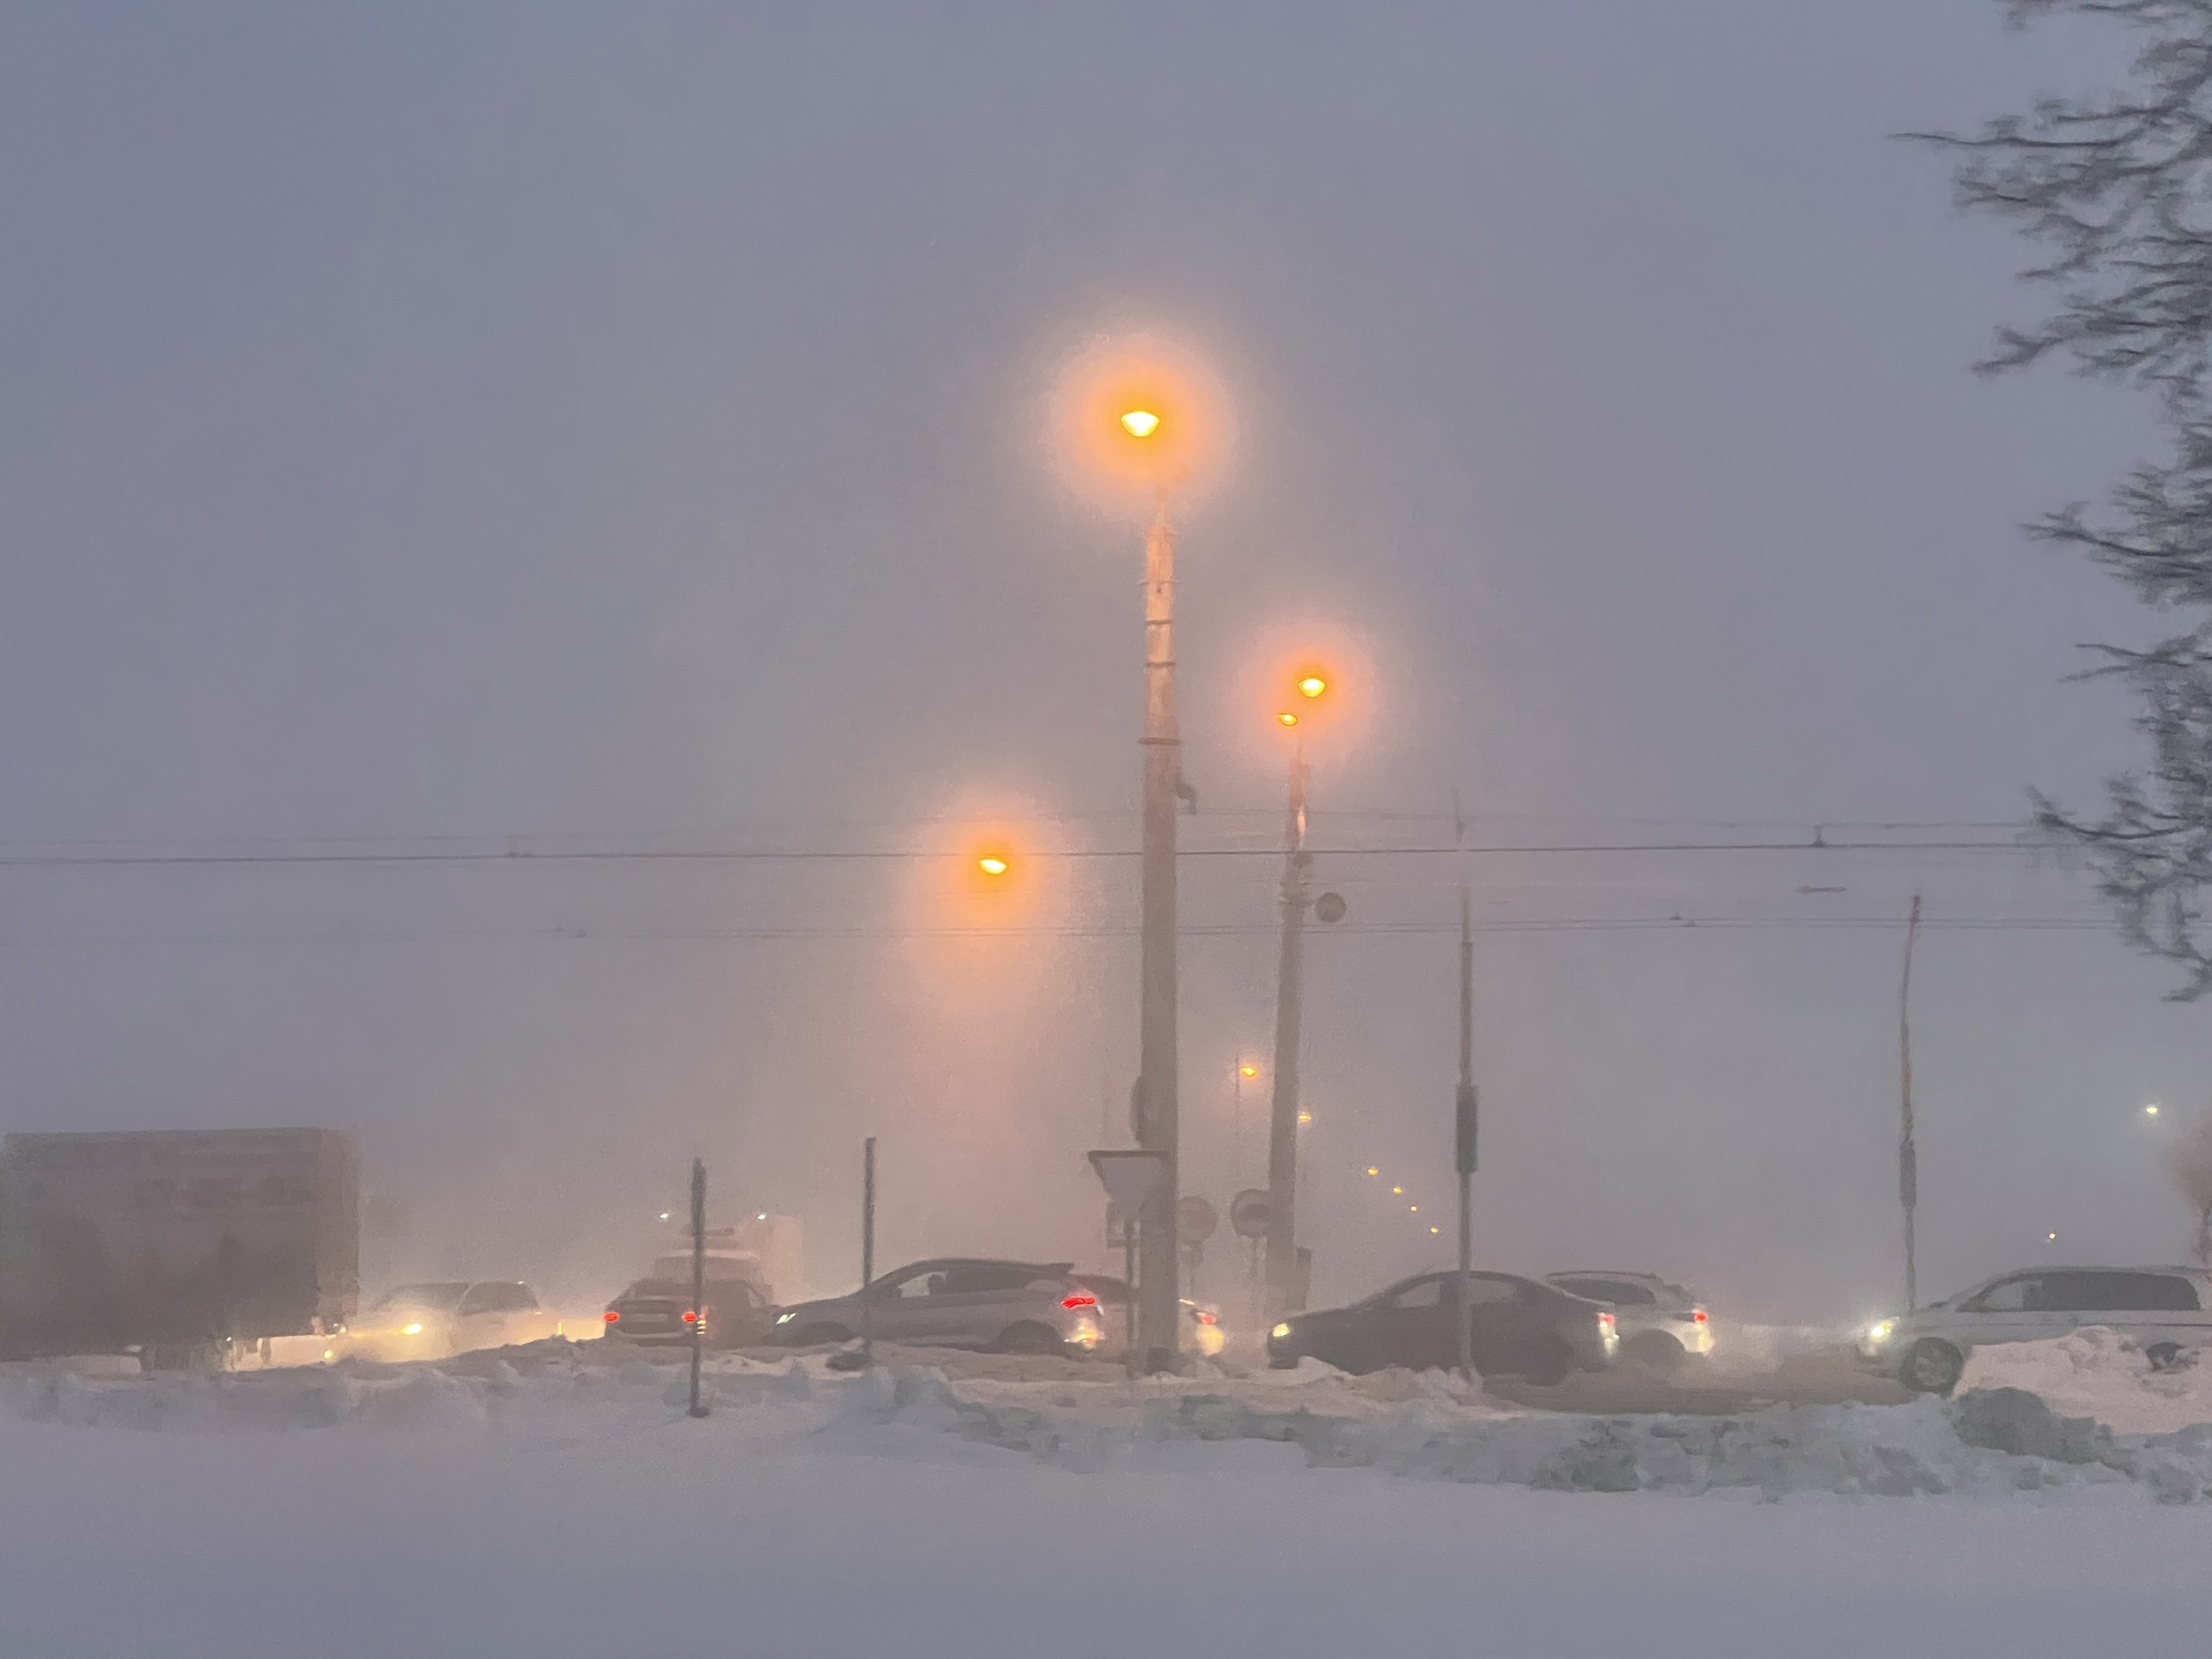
{"points": [[622, 426]]}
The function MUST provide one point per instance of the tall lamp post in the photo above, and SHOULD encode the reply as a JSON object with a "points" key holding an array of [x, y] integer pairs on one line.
{"points": [[1284, 1290], [1157, 1118]]}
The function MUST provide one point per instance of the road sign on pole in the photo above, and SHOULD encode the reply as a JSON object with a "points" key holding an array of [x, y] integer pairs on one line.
{"points": [[1249, 1211], [1132, 1178]]}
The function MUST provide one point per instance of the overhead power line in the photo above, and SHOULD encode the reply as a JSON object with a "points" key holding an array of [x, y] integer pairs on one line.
{"points": [[519, 855]]}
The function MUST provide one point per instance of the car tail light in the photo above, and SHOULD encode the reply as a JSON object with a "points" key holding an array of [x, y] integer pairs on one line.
{"points": [[690, 1316], [612, 1318], [1698, 1315], [1206, 1316], [1081, 1299], [1605, 1319]]}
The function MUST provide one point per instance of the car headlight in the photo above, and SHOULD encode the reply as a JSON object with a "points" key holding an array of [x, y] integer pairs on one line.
{"points": [[1281, 1330], [1880, 1332], [786, 1319]]}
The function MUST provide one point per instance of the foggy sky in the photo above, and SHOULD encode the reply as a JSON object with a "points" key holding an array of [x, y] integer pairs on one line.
{"points": [[623, 427]]}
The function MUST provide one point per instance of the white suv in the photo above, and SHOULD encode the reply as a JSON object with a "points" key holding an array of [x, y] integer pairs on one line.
{"points": [[2163, 1309]]}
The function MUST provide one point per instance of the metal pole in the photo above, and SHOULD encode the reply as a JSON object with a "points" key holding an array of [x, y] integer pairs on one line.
{"points": [[867, 1247], [1908, 1152], [698, 1276], [1463, 1136], [1282, 1118], [1158, 1129], [1130, 1303]]}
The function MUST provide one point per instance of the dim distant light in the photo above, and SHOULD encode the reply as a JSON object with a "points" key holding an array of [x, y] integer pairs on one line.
{"points": [[1249, 1070], [1373, 1170], [2052, 1237], [1139, 422], [1413, 1208], [1287, 718], [2151, 1110], [1395, 1191], [1305, 1117], [1435, 1230]]}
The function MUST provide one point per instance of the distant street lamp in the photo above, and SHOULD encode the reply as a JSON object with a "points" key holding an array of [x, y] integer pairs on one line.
{"points": [[992, 864], [1286, 1291]]}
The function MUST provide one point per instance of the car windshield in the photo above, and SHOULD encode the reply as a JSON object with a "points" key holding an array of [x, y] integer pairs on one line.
{"points": [[442, 1295], [732, 1290]]}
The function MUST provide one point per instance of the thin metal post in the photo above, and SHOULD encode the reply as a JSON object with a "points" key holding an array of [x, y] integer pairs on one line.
{"points": [[1282, 1118], [698, 1276], [867, 1247], [1158, 1129], [1130, 1303], [1463, 1138], [1908, 1151]]}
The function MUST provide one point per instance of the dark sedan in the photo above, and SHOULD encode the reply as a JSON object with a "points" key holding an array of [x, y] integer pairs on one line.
{"points": [[658, 1312], [1520, 1328]]}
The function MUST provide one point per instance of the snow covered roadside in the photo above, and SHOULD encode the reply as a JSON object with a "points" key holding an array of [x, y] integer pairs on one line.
{"points": [[571, 1510], [1992, 1440], [2100, 1374]]}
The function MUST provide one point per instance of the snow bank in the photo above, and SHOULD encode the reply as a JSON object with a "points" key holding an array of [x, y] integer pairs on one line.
{"points": [[1992, 1440], [2099, 1374]]}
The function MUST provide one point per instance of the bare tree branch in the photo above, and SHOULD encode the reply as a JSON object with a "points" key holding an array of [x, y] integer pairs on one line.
{"points": [[2117, 188]]}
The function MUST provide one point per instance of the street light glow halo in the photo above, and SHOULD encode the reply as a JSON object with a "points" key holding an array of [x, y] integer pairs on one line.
{"points": [[1138, 419]]}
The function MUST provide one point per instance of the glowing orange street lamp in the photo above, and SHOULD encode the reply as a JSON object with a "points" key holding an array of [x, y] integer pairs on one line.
{"points": [[1139, 422], [1307, 687], [992, 864]]}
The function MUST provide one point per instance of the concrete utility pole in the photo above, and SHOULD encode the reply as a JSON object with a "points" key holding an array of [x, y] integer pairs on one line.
{"points": [[1282, 1120], [1908, 1152], [1464, 1110], [1159, 1327]]}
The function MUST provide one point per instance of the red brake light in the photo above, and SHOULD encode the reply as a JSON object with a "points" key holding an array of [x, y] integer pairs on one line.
{"points": [[1206, 1317], [1698, 1315], [1604, 1319], [613, 1317], [690, 1317], [1081, 1299]]}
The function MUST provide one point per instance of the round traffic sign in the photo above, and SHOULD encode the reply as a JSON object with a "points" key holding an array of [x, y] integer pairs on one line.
{"points": [[1195, 1219], [1249, 1212], [1329, 907]]}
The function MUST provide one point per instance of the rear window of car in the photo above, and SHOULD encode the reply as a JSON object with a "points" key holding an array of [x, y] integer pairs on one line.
{"points": [[1624, 1292], [971, 1278], [2117, 1292]]}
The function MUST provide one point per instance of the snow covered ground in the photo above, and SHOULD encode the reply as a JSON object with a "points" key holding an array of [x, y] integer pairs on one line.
{"points": [[2097, 1373], [558, 1504]]}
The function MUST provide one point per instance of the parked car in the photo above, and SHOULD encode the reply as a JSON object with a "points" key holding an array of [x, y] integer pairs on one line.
{"points": [[1661, 1323], [958, 1302], [655, 1312], [2164, 1309], [436, 1320], [1202, 1332], [1520, 1327]]}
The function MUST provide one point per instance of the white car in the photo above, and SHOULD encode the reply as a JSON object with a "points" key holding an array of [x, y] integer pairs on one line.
{"points": [[1661, 1323], [455, 1315], [2165, 1310]]}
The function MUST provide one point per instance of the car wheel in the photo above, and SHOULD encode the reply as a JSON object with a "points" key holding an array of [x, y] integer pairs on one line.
{"points": [[1655, 1350], [2162, 1355], [816, 1336], [1549, 1364], [1931, 1367], [1027, 1339]]}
